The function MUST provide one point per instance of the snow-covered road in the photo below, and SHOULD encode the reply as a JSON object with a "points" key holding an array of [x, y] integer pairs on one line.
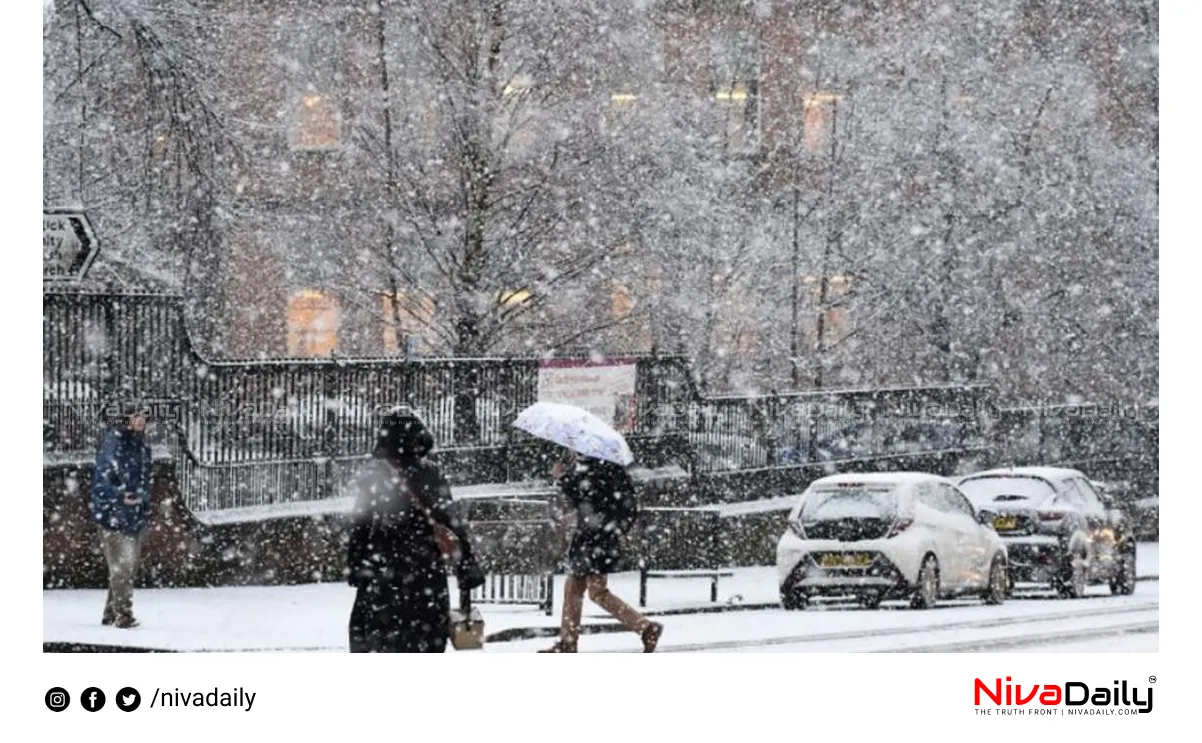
{"points": [[312, 618], [961, 626]]}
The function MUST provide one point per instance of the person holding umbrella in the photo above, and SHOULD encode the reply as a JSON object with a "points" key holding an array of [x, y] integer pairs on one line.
{"points": [[600, 506]]}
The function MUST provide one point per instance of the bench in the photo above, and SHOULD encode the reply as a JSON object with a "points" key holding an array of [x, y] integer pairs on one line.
{"points": [[645, 574]]}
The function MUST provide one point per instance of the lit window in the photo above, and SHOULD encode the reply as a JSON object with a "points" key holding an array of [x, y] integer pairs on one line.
{"points": [[820, 111], [318, 126], [739, 104], [514, 298], [623, 100], [620, 302], [414, 314], [517, 86], [313, 320]]}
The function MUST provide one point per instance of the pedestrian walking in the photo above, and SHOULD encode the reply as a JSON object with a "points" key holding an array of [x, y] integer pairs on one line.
{"points": [[600, 506], [395, 561], [120, 508]]}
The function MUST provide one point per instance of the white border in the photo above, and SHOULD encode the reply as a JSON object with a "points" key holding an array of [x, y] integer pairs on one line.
{"points": [[673, 697]]}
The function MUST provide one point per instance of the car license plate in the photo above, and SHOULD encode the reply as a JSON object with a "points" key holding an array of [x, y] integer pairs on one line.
{"points": [[1005, 523], [845, 560]]}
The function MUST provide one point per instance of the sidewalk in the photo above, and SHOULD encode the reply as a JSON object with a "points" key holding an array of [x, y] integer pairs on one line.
{"points": [[313, 617]]}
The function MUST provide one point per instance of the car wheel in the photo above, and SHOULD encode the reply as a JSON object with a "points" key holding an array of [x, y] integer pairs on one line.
{"points": [[793, 599], [999, 582], [1070, 584], [1123, 584], [926, 592], [871, 599]]}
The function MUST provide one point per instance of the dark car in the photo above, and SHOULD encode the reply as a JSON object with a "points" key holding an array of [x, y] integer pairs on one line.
{"points": [[1142, 511], [1056, 529], [1146, 514]]}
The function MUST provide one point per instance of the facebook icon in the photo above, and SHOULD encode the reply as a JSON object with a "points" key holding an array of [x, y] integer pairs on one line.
{"points": [[92, 699]]}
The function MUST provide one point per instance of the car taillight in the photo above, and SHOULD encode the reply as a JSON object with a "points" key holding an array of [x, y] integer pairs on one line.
{"points": [[899, 526], [1050, 515], [795, 527]]}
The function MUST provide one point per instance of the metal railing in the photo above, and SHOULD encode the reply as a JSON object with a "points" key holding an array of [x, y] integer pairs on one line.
{"points": [[254, 433]]}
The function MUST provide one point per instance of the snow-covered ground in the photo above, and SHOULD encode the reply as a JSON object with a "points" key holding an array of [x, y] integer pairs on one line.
{"points": [[312, 618]]}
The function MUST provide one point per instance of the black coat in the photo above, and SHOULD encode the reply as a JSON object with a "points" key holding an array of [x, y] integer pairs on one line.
{"points": [[402, 604], [604, 499]]}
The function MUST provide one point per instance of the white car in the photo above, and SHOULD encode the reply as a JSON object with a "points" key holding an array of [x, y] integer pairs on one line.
{"points": [[889, 535]]}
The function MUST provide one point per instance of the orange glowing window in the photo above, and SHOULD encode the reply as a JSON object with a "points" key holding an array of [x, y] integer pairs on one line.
{"points": [[620, 302], [313, 320], [318, 127], [820, 110]]}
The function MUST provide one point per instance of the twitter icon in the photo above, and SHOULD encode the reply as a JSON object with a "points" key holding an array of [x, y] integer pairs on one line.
{"points": [[128, 699]]}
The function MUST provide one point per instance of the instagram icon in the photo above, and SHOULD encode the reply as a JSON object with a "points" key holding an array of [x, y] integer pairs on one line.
{"points": [[57, 699]]}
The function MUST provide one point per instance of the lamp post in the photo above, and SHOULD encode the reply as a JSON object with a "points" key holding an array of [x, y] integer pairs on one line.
{"points": [[793, 276]]}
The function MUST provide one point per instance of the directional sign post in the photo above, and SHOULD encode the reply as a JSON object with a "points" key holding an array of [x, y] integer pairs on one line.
{"points": [[68, 245]]}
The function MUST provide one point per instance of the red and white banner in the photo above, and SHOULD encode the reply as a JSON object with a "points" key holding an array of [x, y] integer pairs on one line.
{"points": [[604, 387]]}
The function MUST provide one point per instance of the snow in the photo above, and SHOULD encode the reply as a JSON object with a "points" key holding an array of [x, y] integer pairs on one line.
{"points": [[1148, 642], [766, 505], [312, 617], [884, 478], [343, 504], [1047, 473]]}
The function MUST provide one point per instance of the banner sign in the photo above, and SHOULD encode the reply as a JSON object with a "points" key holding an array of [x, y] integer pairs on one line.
{"points": [[604, 387]]}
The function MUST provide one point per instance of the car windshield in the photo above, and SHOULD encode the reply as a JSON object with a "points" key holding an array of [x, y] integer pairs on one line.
{"points": [[849, 503], [984, 490]]}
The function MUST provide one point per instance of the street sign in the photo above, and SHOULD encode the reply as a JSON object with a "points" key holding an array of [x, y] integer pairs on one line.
{"points": [[68, 245]]}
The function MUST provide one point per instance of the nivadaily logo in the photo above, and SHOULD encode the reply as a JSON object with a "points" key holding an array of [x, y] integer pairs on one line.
{"points": [[1071, 694]]}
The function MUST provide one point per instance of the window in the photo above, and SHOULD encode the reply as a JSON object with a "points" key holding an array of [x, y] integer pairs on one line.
{"points": [[308, 49], [1086, 495], [849, 502], [956, 501], [1069, 495], [624, 100], [941, 498], [313, 319], [414, 315], [927, 496], [736, 70], [1002, 488], [318, 126], [820, 120], [620, 301], [739, 104]]}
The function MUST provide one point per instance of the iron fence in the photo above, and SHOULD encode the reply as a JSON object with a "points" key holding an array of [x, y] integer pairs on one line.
{"points": [[264, 432]]}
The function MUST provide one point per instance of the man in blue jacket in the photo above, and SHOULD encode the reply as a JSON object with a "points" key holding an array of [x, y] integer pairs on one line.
{"points": [[121, 509]]}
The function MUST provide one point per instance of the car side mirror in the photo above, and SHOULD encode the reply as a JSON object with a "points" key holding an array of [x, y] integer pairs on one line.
{"points": [[986, 517]]}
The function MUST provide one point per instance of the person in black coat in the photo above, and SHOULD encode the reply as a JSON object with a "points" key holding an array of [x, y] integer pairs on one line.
{"points": [[402, 604], [601, 503]]}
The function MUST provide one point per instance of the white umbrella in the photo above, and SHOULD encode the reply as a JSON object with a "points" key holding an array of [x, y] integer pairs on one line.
{"points": [[575, 428]]}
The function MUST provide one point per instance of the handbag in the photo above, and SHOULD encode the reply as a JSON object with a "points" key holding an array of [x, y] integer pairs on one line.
{"points": [[467, 626]]}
